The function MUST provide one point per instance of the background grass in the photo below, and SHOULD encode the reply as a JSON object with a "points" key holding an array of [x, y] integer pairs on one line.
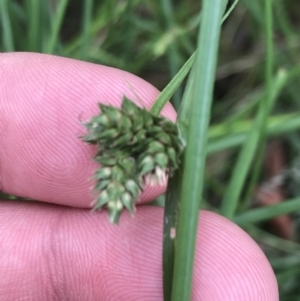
{"points": [[154, 39]]}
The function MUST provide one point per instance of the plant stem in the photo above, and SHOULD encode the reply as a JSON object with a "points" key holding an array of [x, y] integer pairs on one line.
{"points": [[195, 153], [172, 201], [170, 221]]}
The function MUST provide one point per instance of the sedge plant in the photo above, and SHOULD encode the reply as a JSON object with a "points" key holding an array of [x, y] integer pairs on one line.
{"points": [[253, 110], [120, 135]]}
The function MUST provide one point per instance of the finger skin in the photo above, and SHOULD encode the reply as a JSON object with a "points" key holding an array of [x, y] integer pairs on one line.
{"points": [[58, 253], [42, 101]]}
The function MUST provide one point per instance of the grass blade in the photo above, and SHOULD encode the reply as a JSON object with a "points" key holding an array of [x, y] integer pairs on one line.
{"points": [[172, 53], [173, 85], [195, 153], [86, 26], [56, 25], [8, 41], [257, 133], [260, 214], [170, 89], [34, 24]]}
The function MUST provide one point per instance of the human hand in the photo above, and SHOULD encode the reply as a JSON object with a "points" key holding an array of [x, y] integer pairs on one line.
{"points": [[52, 252]]}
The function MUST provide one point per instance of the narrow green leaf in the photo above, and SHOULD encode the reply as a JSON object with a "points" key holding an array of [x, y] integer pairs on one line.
{"points": [[86, 28], [249, 148], [173, 85], [56, 25], [194, 158], [34, 22], [261, 214], [7, 38]]}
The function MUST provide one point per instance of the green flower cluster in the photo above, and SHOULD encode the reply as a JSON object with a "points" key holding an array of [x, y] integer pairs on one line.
{"points": [[135, 149]]}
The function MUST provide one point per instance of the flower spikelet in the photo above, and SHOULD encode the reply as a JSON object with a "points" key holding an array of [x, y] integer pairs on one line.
{"points": [[135, 149]]}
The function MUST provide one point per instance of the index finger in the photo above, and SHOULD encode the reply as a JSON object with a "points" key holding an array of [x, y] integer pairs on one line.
{"points": [[42, 100]]}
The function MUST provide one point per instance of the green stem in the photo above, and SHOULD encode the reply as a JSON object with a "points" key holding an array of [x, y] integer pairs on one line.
{"points": [[172, 203], [195, 153], [170, 221]]}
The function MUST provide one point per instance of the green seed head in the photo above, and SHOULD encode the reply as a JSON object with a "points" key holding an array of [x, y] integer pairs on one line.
{"points": [[161, 159], [125, 124], [115, 209], [115, 190], [135, 148], [108, 134], [128, 165], [148, 119], [103, 173], [114, 116], [146, 165], [130, 108], [102, 200], [128, 202], [155, 146], [173, 156], [164, 138], [133, 188], [102, 184]]}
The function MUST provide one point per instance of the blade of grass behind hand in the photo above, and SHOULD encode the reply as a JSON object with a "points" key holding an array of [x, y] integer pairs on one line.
{"points": [[86, 26], [172, 53], [34, 24], [257, 133], [269, 85], [7, 34], [246, 155], [56, 25], [261, 214], [173, 85]]}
